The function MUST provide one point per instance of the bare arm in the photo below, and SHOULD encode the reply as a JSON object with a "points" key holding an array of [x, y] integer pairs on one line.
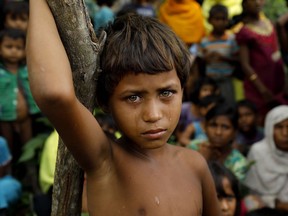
{"points": [[52, 87], [210, 201], [249, 71], [282, 34]]}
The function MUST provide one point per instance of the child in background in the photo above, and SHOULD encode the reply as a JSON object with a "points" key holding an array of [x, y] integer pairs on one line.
{"points": [[16, 15], [140, 173], [195, 131], [261, 60], [248, 130], [104, 15], [16, 100], [203, 87], [10, 188], [219, 51], [227, 187], [221, 123]]}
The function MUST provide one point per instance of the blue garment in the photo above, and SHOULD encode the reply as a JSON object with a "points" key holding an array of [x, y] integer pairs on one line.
{"points": [[103, 17], [186, 116], [5, 155], [199, 133], [10, 191]]}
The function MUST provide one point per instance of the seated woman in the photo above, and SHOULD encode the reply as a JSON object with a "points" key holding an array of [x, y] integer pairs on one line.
{"points": [[221, 127], [268, 176], [248, 130], [227, 187]]}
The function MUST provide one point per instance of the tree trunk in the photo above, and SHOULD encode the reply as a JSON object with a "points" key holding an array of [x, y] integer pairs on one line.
{"points": [[83, 49]]}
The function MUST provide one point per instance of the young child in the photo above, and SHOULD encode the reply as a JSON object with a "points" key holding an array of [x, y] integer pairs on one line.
{"points": [[227, 187], [16, 15], [221, 126], [219, 50], [203, 87], [16, 100], [195, 131], [248, 130], [10, 188], [260, 59], [140, 173]]}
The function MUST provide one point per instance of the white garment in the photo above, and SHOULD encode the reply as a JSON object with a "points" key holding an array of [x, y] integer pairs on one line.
{"points": [[268, 177]]}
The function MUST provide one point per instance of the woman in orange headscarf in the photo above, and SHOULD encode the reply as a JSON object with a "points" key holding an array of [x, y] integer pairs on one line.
{"points": [[185, 18]]}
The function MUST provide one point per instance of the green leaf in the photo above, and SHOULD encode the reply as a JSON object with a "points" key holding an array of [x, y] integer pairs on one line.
{"points": [[31, 148]]}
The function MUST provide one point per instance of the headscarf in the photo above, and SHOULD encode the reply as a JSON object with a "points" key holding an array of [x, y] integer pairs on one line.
{"points": [[185, 18], [269, 175]]}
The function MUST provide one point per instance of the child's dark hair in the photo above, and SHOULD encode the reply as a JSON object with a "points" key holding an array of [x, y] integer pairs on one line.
{"points": [[265, 211], [16, 8], [12, 33], [223, 109], [210, 99], [216, 9], [194, 95], [247, 103], [109, 3], [137, 44], [219, 172]]}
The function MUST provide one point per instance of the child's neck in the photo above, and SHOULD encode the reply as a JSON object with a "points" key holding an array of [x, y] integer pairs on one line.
{"points": [[218, 34], [12, 67], [252, 18]]}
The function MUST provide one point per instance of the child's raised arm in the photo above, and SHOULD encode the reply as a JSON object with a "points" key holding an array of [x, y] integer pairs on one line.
{"points": [[52, 87]]}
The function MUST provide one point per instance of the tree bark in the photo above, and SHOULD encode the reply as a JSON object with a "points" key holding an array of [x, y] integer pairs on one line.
{"points": [[83, 49]]}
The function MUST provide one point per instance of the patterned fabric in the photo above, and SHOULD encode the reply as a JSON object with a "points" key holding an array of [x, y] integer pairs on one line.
{"points": [[226, 46], [235, 161], [10, 85]]}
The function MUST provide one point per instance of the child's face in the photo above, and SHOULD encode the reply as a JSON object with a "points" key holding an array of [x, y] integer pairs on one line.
{"points": [[147, 107], [17, 21], [281, 135], [12, 50], [219, 22], [247, 119], [206, 90], [227, 203], [220, 131]]}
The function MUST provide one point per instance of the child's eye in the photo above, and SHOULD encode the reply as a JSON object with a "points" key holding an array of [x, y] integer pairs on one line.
{"points": [[166, 93], [133, 98]]}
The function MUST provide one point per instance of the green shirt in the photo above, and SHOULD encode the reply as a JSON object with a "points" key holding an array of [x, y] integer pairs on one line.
{"points": [[10, 85], [235, 161]]}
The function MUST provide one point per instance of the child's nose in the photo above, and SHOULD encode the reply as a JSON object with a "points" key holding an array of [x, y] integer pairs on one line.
{"points": [[152, 111]]}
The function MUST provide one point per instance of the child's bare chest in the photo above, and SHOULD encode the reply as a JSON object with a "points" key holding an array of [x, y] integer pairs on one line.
{"points": [[160, 190]]}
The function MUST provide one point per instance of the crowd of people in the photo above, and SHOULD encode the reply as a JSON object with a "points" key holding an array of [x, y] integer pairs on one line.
{"points": [[234, 106]]}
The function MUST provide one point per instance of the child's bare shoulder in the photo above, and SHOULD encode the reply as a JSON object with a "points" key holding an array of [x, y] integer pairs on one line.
{"points": [[193, 158]]}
